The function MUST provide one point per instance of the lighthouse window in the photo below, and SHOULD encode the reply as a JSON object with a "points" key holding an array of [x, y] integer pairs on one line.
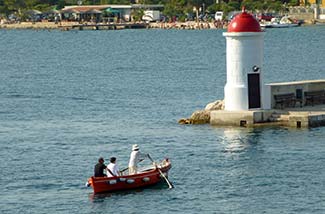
{"points": [[255, 68]]}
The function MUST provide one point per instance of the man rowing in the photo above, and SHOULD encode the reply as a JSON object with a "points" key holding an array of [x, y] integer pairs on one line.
{"points": [[135, 157]]}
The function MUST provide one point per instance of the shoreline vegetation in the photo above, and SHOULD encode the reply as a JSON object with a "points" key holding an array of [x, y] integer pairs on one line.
{"points": [[65, 25]]}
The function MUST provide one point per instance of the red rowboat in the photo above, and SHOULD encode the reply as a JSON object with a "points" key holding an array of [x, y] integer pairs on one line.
{"points": [[146, 177]]}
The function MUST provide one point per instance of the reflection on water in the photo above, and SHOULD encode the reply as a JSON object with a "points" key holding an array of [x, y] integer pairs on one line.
{"points": [[100, 197], [237, 140], [59, 107]]}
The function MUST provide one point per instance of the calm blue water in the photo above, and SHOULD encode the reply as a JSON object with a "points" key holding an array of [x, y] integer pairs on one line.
{"points": [[67, 98]]}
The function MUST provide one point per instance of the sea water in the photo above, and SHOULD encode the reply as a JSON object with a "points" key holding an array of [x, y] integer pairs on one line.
{"points": [[67, 98]]}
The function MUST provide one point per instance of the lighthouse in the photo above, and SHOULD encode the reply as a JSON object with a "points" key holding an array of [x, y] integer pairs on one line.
{"points": [[247, 100], [244, 89]]}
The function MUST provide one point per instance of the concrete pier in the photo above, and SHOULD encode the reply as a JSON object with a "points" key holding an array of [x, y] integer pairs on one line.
{"points": [[299, 110], [304, 117], [239, 118]]}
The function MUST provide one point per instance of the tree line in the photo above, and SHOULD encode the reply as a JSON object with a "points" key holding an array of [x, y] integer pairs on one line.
{"points": [[171, 7]]}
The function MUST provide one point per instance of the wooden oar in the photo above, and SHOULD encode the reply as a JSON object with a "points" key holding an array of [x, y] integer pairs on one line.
{"points": [[161, 173]]}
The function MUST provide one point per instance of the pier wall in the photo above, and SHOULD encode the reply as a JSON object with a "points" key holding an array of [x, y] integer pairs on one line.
{"points": [[239, 118], [305, 120], [296, 119]]}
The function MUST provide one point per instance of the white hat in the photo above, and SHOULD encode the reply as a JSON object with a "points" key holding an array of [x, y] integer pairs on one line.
{"points": [[135, 147]]}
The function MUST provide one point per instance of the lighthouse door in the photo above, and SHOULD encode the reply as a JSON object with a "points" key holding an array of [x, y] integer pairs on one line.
{"points": [[254, 93]]}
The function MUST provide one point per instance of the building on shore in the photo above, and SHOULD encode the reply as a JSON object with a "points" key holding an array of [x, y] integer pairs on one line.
{"points": [[310, 10], [321, 3], [99, 13]]}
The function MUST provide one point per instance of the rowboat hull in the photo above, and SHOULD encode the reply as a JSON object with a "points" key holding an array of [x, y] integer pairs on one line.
{"points": [[142, 179]]}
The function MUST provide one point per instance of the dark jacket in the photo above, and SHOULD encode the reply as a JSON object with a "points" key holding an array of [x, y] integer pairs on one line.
{"points": [[99, 170]]}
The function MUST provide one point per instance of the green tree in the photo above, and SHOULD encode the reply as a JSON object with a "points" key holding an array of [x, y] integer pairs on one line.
{"points": [[137, 15], [234, 5], [174, 8], [171, 7], [250, 5], [293, 3], [30, 4], [14, 5], [60, 4]]}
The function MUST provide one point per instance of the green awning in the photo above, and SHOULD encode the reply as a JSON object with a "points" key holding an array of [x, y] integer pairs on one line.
{"points": [[111, 10]]}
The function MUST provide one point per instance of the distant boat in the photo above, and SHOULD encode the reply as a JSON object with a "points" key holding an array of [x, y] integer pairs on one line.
{"points": [[320, 23], [284, 22], [146, 177]]}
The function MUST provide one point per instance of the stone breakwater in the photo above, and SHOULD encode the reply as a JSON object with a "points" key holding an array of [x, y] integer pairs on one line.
{"points": [[203, 116], [189, 25], [36, 25], [161, 25]]}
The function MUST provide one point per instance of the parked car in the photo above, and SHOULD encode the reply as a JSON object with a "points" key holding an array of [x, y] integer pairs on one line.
{"points": [[218, 16], [151, 15]]}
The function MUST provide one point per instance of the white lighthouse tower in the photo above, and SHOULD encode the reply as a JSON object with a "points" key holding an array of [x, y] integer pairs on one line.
{"points": [[244, 89]]}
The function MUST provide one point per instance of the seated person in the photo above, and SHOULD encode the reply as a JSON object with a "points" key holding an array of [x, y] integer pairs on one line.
{"points": [[112, 168], [99, 168]]}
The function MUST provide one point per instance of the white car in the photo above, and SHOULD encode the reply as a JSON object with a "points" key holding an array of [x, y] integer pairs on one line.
{"points": [[218, 15]]}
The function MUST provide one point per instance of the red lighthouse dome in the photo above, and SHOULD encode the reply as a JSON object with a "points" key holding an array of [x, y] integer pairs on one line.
{"points": [[244, 22]]}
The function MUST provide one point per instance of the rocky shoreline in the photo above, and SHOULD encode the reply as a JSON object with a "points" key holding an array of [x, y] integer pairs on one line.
{"points": [[203, 116], [160, 25], [36, 25], [190, 25]]}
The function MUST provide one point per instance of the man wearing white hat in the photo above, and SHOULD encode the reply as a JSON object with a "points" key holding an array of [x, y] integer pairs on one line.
{"points": [[135, 157]]}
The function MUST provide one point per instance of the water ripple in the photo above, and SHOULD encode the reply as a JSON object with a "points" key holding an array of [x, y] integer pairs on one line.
{"points": [[87, 94]]}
